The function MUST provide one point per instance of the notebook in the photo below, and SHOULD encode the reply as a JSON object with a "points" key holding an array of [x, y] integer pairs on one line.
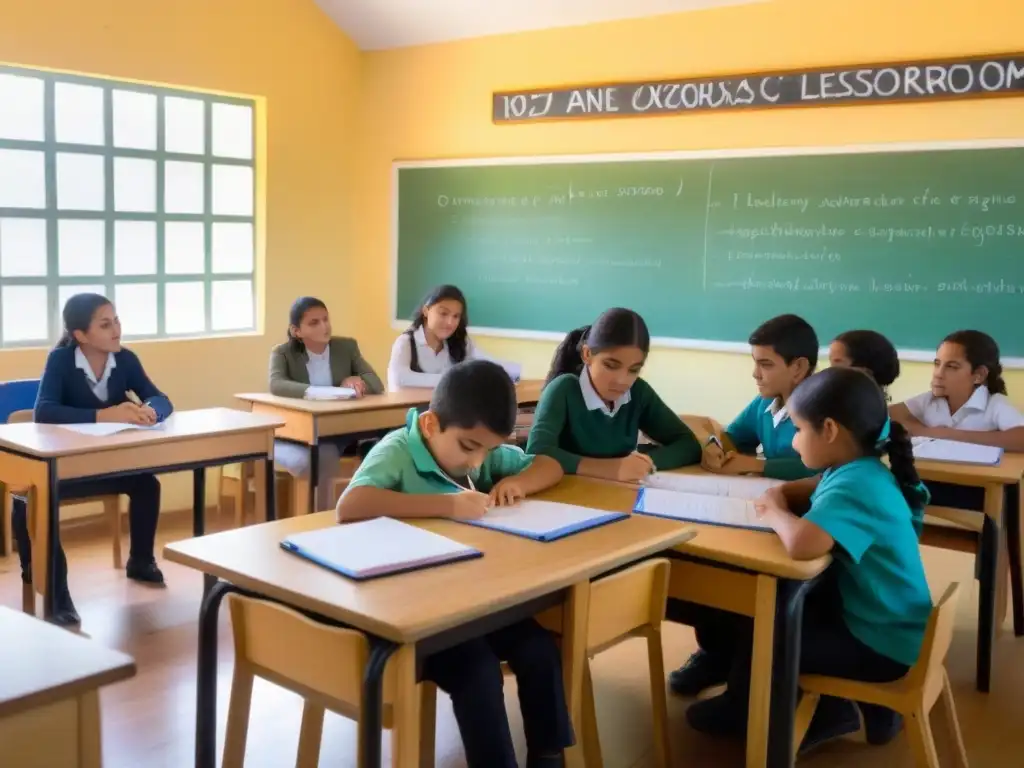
{"points": [[104, 428], [514, 371], [544, 520], [696, 508], [930, 449], [329, 393], [379, 547], [712, 485]]}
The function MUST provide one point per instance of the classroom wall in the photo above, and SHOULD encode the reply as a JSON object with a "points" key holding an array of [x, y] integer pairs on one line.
{"points": [[434, 102], [290, 54]]}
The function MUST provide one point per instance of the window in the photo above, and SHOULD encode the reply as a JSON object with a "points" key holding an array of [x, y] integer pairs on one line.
{"points": [[144, 194]]}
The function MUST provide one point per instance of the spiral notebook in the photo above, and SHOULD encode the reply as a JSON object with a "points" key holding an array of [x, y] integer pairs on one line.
{"points": [[728, 511], [379, 547], [955, 452], [544, 520]]}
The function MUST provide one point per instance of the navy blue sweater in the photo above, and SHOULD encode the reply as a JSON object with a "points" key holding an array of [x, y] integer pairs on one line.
{"points": [[66, 396]]}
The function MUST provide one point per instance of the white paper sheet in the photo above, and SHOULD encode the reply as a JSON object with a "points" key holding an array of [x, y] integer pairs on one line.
{"points": [[712, 485], [104, 428], [330, 393], [376, 547], [929, 449], [692, 507], [514, 370], [543, 520]]}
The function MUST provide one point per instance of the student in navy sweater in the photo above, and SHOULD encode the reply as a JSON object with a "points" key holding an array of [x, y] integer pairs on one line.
{"points": [[87, 379]]}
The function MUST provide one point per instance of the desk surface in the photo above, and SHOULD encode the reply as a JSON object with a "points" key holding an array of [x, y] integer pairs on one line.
{"points": [[528, 391], [759, 551], [409, 607], [51, 440], [1009, 471], [42, 663]]}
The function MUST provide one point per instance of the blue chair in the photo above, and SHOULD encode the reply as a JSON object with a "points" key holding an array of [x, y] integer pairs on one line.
{"points": [[18, 395]]}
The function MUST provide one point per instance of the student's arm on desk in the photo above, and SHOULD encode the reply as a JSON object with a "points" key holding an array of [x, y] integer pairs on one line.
{"points": [[802, 539], [901, 413], [796, 494], [1011, 440], [49, 408], [367, 501]]}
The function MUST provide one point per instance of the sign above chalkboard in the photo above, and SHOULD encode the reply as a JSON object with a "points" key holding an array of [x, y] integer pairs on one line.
{"points": [[966, 78]]}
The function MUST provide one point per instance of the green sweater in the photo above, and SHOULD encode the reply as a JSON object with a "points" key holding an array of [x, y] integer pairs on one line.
{"points": [[565, 430]]}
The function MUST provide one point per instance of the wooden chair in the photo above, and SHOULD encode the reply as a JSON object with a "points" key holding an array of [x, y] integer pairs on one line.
{"points": [[913, 696], [111, 503], [267, 636], [240, 491], [630, 603]]}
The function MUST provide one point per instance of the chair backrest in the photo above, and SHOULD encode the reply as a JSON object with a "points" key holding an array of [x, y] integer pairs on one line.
{"points": [[625, 601], [937, 637], [17, 396], [21, 417]]}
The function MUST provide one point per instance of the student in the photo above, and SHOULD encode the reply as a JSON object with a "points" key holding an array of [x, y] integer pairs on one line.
{"points": [[869, 352], [967, 401], [312, 356], [868, 622], [436, 340], [785, 352], [595, 405], [90, 377], [450, 461]]}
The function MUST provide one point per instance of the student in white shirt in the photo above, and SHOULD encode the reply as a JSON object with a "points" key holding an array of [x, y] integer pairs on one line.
{"points": [[436, 340], [967, 401]]}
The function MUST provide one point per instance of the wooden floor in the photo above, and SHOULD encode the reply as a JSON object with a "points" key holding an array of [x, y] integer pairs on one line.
{"points": [[149, 720]]}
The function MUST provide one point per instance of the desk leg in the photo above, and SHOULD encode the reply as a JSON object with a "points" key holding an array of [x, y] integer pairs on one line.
{"points": [[269, 489], [199, 501], [52, 512], [789, 613], [206, 676], [575, 617], [371, 722], [988, 566], [759, 704], [314, 476], [406, 725], [1011, 518]]}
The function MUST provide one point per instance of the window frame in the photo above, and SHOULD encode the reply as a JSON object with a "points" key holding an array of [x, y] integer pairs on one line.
{"points": [[50, 147]]}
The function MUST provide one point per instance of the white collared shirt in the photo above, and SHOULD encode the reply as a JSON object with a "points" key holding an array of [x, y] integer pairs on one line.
{"points": [[595, 402], [983, 412], [432, 364], [98, 386], [319, 368], [778, 411]]}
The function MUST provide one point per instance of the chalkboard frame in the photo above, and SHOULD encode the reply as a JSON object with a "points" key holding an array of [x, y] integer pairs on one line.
{"points": [[909, 355]]}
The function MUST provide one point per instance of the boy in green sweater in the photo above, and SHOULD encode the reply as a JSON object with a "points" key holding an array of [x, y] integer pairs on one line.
{"points": [[594, 406]]}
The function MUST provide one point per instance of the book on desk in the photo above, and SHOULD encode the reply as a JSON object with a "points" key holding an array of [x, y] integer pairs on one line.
{"points": [[956, 452], [728, 511], [544, 520], [370, 549]]}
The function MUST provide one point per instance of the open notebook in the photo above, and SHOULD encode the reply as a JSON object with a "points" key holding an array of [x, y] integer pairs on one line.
{"points": [[378, 547], [544, 520], [106, 428], [699, 508], [712, 485], [329, 393], [929, 449]]}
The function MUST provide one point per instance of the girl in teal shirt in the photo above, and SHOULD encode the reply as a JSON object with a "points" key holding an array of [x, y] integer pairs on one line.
{"points": [[867, 620]]}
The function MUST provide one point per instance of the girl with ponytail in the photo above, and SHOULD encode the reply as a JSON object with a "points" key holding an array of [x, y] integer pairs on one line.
{"points": [[967, 401], [868, 517], [595, 405]]}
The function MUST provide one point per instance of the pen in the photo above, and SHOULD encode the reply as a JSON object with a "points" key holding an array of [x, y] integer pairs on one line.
{"points": [[133, 397]]}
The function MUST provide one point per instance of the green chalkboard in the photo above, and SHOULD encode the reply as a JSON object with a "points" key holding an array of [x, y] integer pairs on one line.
{"points": [[913, 243]]}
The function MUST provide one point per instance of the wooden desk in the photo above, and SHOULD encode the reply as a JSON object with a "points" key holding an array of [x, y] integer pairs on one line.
{"points": [[43, 456], [1001, 508], [409, 616], [49, 693], [747, 572], [309, 421]]}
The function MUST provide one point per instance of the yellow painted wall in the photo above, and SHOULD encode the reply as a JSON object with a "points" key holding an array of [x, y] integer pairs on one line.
{"points": [[286, 51], [434, 102]]}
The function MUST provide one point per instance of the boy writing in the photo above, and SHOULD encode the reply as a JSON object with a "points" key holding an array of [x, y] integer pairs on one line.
{"points": [[452, 461]]}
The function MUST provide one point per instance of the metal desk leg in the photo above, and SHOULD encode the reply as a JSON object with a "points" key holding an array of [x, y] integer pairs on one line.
{"points": [[370, 724], [206, 676], [988, 559], [789, 613], [53, 540], [271, 491], [1011, 518], [198, 501], [314, 475]]}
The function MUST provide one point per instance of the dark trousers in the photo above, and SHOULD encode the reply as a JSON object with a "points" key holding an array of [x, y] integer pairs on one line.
{"points": [[827, 647], [957, 496], [471, 674], [143, 492]]}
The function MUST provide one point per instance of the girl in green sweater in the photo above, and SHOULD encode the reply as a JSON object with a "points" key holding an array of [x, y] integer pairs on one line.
{"points": [[594, 406]]}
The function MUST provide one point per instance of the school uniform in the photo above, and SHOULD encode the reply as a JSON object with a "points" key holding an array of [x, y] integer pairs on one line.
{"points": [[71, 393], [415, 364], [572, 422], [867, 620], [293, 369], [471, 672], [766, 424], [983, 412]]}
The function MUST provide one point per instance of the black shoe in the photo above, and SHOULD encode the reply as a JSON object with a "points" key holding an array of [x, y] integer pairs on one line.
{"points": [[881, 725], [65, 614], [700, 672], [144, 571], [546, 761], [720, 715], [833, 719]]}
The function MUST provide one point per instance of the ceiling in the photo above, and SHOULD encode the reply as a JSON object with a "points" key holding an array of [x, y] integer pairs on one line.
{"points": [[379, 24]]}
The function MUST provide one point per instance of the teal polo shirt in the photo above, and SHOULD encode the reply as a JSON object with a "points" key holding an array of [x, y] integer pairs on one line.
{"points": [[402, 462], [766, 423], [886, 601]]}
